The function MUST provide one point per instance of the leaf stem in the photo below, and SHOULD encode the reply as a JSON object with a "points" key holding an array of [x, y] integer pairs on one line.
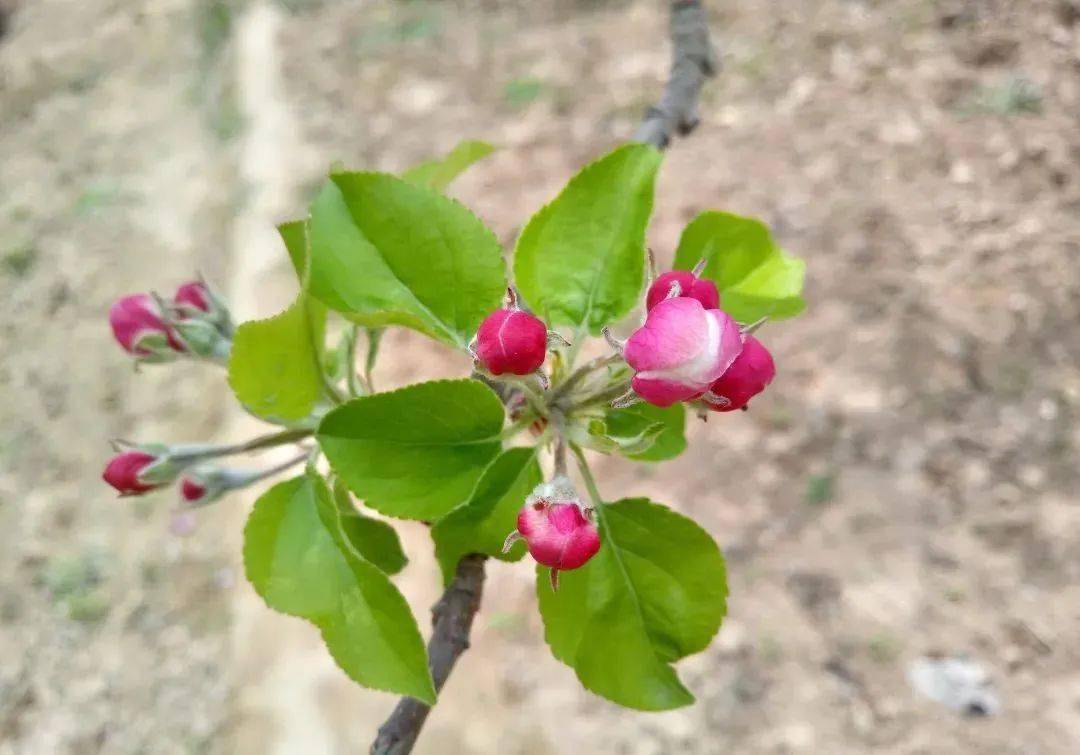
{"points": [[351, 378], [374, 337]]}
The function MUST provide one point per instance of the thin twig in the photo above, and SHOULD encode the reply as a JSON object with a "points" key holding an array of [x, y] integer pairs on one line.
{"points": [[693, 61]]}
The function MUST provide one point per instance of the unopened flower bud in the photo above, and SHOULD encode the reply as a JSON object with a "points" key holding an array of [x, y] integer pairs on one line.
{"points": [[139, 326], [683, 283], [202, 320], [203, 338], [202, 486], [681, 351], [193, 296], [191, 490], [511, 341], [206, 483], [124, 472], [557, 528], [747, 376]]}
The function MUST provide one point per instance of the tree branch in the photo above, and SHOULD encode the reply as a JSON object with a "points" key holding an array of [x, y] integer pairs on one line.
{"points": [[452, 618], [693, 60]]}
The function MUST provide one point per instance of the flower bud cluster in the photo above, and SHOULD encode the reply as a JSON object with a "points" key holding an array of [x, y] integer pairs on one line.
{"points": [[196, 323], [139, 469], [689, 349]]}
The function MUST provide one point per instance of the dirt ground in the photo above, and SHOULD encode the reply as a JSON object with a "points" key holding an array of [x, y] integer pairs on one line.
{"points": [[907, 487]]}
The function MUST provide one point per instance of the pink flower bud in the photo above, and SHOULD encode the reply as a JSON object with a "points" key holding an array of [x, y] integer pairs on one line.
{"points": [[681, 350], [192, 296], [513, 341], [191, 490], [122, 472], [747, 376], [557, 533], [690, 286], [138, 326]]}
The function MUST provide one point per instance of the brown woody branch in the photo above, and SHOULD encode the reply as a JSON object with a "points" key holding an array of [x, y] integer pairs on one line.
{"points": [[693, 60], [452, 618]]}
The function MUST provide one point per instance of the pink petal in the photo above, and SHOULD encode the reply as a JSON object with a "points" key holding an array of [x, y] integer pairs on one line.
{"points": [[660, 392], [674, 333]]}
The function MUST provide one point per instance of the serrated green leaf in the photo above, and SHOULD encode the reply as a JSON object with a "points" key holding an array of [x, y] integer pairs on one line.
{"points": [[754, 276], [632, 421], [275, 366], [374, 540], [417, 452], [388, 252], [581, 259], [481, 524], [439, 173], [655, 593], [297, 559]]}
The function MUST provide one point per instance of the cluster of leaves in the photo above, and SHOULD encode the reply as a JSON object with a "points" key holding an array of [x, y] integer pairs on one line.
{"points": [[381, 250]]}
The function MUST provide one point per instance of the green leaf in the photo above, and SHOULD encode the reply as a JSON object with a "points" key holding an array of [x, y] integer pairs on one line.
{"points": [[417, 452], [295, 235], [581, 259], [439, 173], [655, 593], [773, 289], [632, 421], [481, 524], [297, 559], [275, 367], [600, 439], [754, 276], [387, 252], [374, 540]]}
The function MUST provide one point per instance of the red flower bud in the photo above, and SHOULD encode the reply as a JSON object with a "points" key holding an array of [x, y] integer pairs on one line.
{"points": [[513, 341], [558, 534], [192, 296], [123, 472], [557, 528], [690, 286], [747, 376], [137, 325], [191, 490]]}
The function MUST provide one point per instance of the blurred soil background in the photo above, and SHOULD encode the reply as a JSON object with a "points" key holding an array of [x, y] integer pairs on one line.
{"points": [[907, 487]]}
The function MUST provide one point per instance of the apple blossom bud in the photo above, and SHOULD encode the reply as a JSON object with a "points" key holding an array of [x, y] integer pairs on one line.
{"points": [[511, 341], [681, 351], [191, 490], [689, 286], [139, 326], [202, 320], [557, 528], [124, 470], [747, 376], [192, 296]]}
